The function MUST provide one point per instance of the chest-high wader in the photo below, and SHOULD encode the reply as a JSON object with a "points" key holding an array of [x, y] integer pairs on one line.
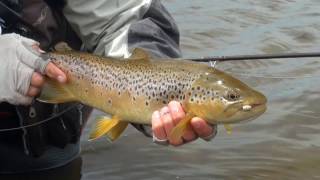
{"points": [[47, 25]]}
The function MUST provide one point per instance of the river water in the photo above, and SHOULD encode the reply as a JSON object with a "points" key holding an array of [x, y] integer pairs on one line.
{"points": [[284, 143]]}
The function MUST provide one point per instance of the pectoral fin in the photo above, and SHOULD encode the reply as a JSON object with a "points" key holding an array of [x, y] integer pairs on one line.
{"points": [[228, 128], [178, 131], [54, 92], [113, 127]]}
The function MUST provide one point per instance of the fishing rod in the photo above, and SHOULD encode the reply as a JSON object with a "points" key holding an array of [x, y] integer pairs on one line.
{"points": [[258, 56]]}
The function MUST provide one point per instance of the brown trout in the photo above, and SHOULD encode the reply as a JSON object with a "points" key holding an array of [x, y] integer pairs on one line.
{"points": [[132, 89]]}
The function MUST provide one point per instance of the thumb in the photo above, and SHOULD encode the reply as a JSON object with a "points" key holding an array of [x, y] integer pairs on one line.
{"points": [[55, 73]]}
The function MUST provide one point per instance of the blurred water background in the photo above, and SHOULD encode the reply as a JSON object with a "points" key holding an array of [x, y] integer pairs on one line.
{"points": [[284, 143]]}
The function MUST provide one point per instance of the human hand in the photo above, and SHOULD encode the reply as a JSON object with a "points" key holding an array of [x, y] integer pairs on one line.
{"points": [[22, 69], [168, 117]]}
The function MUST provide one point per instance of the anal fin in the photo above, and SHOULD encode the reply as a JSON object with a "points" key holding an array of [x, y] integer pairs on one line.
{"points": [[117, 130], [111, 126]]}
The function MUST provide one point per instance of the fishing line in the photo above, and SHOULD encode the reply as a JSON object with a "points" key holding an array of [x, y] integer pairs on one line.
{"points": [[41, 122], [213, 64], [257, 56], [271, 77]]}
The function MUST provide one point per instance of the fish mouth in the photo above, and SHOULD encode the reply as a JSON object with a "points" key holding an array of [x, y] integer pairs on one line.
{"points": [[258, 103], [249, 107], [246, 112], [255, 107], [256, 110]]}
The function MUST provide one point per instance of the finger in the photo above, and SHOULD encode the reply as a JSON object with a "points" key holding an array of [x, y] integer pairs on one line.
{"points": [[201, 127], [33, 91], [211, 136], [169, 125], [177, 113], [166, 120], [157, 126], [55, 73], [31, 57], [189, 134], [37, 80]]}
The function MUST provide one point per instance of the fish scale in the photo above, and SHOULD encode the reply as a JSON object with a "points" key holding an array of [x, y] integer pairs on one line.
{"points": [[132, 89]]}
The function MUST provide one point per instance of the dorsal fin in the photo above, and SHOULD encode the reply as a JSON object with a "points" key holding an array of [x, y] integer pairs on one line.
{"points": [[62, 47], [139, 54]]}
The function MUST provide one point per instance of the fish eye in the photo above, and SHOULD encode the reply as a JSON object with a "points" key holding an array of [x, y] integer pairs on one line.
{"points": [[232, 96]]}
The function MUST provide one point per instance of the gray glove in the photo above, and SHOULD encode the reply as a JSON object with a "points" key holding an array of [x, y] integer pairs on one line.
{"points": [[18, 60]]}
